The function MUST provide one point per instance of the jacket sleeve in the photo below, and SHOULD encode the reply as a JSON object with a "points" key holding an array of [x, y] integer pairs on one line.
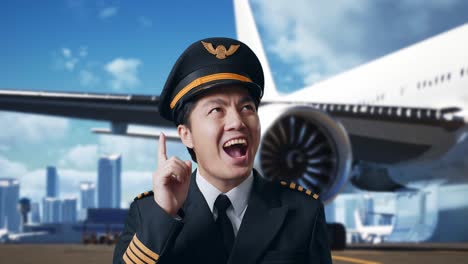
{"points": [[149, 233], [319, 249]]}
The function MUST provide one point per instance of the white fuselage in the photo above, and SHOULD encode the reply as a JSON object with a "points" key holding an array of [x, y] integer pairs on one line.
{"points": [[429, 74]]}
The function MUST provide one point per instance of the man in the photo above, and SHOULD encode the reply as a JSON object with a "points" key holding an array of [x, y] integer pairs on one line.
{"points": [[223, 212]]}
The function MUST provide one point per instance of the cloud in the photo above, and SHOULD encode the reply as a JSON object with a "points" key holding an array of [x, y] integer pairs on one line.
{"points": [[64, 60], [319, 39], [145, 21], [66, 53], [4, 148], [80, 157], [32, 128], [88, 79], [11, 169], [108, 12], [302, 36], [83, 51], [124, 72]]}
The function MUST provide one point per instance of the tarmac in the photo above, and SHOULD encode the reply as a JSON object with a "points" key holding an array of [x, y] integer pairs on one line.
{"points": [[359, 254]]}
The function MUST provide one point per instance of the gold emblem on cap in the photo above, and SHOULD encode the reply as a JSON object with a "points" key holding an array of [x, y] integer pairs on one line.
{"points": [[220, 52]]}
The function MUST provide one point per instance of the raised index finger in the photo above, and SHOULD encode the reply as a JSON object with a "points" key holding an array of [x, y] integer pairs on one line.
{"points": [[162, 147]]}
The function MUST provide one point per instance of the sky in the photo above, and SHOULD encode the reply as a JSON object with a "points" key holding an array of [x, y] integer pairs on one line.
{"points": [[129, 47]]}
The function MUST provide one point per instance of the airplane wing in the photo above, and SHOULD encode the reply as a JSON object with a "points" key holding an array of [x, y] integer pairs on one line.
{"points": [[363, 122], [392, 134], [117, 108]]}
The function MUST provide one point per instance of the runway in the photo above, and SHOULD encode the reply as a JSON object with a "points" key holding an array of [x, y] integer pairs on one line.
{"points": [[396, 253], [402, 253]]}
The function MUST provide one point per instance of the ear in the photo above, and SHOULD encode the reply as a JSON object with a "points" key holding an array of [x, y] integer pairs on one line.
{"points": [[185, 135]]}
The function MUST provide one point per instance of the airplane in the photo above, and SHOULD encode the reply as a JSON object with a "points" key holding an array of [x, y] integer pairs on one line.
{"points": [[366, 126], [374, 234]]}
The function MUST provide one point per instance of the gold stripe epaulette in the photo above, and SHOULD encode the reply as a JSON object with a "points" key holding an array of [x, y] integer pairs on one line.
{"points": [[143, 195], [297, 187]]}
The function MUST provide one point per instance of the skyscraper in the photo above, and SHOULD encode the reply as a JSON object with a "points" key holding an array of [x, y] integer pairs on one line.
{"points": [[52, 182], [109, 169], [88, 195], [51, 210], [9, 196], [69, 210], [35, 215]]}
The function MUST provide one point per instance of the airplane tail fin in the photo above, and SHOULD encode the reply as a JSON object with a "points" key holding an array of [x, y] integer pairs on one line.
{"points": [[247, 32]]}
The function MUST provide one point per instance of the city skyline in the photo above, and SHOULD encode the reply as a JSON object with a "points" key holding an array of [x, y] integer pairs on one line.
{"points": [[53, 207]]}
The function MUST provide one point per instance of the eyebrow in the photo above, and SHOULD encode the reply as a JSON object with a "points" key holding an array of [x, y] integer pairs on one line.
{"points": [[224, 103]]}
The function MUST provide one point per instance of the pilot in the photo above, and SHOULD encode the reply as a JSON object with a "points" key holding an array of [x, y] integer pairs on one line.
{"points": [[224, 211]]}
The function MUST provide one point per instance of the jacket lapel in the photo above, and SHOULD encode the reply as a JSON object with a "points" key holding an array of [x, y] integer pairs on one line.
{"points": [[261, 222], [199, 233]]}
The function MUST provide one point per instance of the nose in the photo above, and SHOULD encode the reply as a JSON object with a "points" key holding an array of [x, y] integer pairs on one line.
{"points": [[234, 121]]}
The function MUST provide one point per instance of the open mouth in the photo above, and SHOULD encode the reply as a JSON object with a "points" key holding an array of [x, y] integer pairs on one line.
{"points": [[236, 148]]}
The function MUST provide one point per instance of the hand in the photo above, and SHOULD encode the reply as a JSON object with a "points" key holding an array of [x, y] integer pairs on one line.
{"points": [[170, 180]]}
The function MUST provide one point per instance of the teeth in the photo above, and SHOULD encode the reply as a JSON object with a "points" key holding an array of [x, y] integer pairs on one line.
{"points": [[235, 141]]}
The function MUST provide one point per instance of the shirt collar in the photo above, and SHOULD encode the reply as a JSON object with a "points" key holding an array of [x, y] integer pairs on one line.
{"points": [[238, 196]]}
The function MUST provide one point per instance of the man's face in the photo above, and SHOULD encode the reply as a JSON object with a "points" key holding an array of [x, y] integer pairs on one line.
{"points": [[225, 133]]}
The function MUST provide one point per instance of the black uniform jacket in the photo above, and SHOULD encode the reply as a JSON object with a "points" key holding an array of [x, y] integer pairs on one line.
{"points": [[282, 224]]}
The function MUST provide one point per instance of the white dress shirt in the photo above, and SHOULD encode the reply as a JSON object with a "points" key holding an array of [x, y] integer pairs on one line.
{"points": [[239, 197]]}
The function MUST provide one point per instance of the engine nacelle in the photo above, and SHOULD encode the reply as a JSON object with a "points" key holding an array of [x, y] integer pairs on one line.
{"points": [[304, 145]]}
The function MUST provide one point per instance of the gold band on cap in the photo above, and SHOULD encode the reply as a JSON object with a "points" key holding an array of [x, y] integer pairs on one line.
{"points": [[205, 79]]}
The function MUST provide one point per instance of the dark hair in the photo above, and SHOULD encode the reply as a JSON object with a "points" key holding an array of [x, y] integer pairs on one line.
{"points": [[183, 118]]}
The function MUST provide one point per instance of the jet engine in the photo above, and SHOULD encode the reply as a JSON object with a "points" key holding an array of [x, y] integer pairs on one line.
{"points": [[304, 145]]}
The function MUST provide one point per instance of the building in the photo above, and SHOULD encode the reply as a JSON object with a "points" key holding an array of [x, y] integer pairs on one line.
{"points": [[109, 180], [35, 215], [9, 196], [52, 209], [88, 195], [52, 182], [69, 210]]}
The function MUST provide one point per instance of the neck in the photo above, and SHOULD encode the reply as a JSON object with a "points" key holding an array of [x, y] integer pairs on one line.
{"points": [[223, 185]]}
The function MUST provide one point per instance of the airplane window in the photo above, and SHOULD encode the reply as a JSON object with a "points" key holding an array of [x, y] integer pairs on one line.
{"points": [[418, 85], [424, 84], [448, 76], [462, 72], [442, 78], [436, 80], [429, 83]]}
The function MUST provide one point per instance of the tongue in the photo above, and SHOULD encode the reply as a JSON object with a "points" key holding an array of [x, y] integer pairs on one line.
{"points": [[235, 151]]}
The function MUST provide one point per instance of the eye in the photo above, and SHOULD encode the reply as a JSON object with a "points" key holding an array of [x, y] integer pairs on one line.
{"points": [[214, 110], [248, 107]]}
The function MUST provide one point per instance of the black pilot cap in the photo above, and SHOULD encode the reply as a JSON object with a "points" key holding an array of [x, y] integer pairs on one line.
{"points": [[208, 64]]}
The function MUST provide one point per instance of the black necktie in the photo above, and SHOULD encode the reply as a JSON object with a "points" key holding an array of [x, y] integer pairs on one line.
{"points": [[223, 222]]}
